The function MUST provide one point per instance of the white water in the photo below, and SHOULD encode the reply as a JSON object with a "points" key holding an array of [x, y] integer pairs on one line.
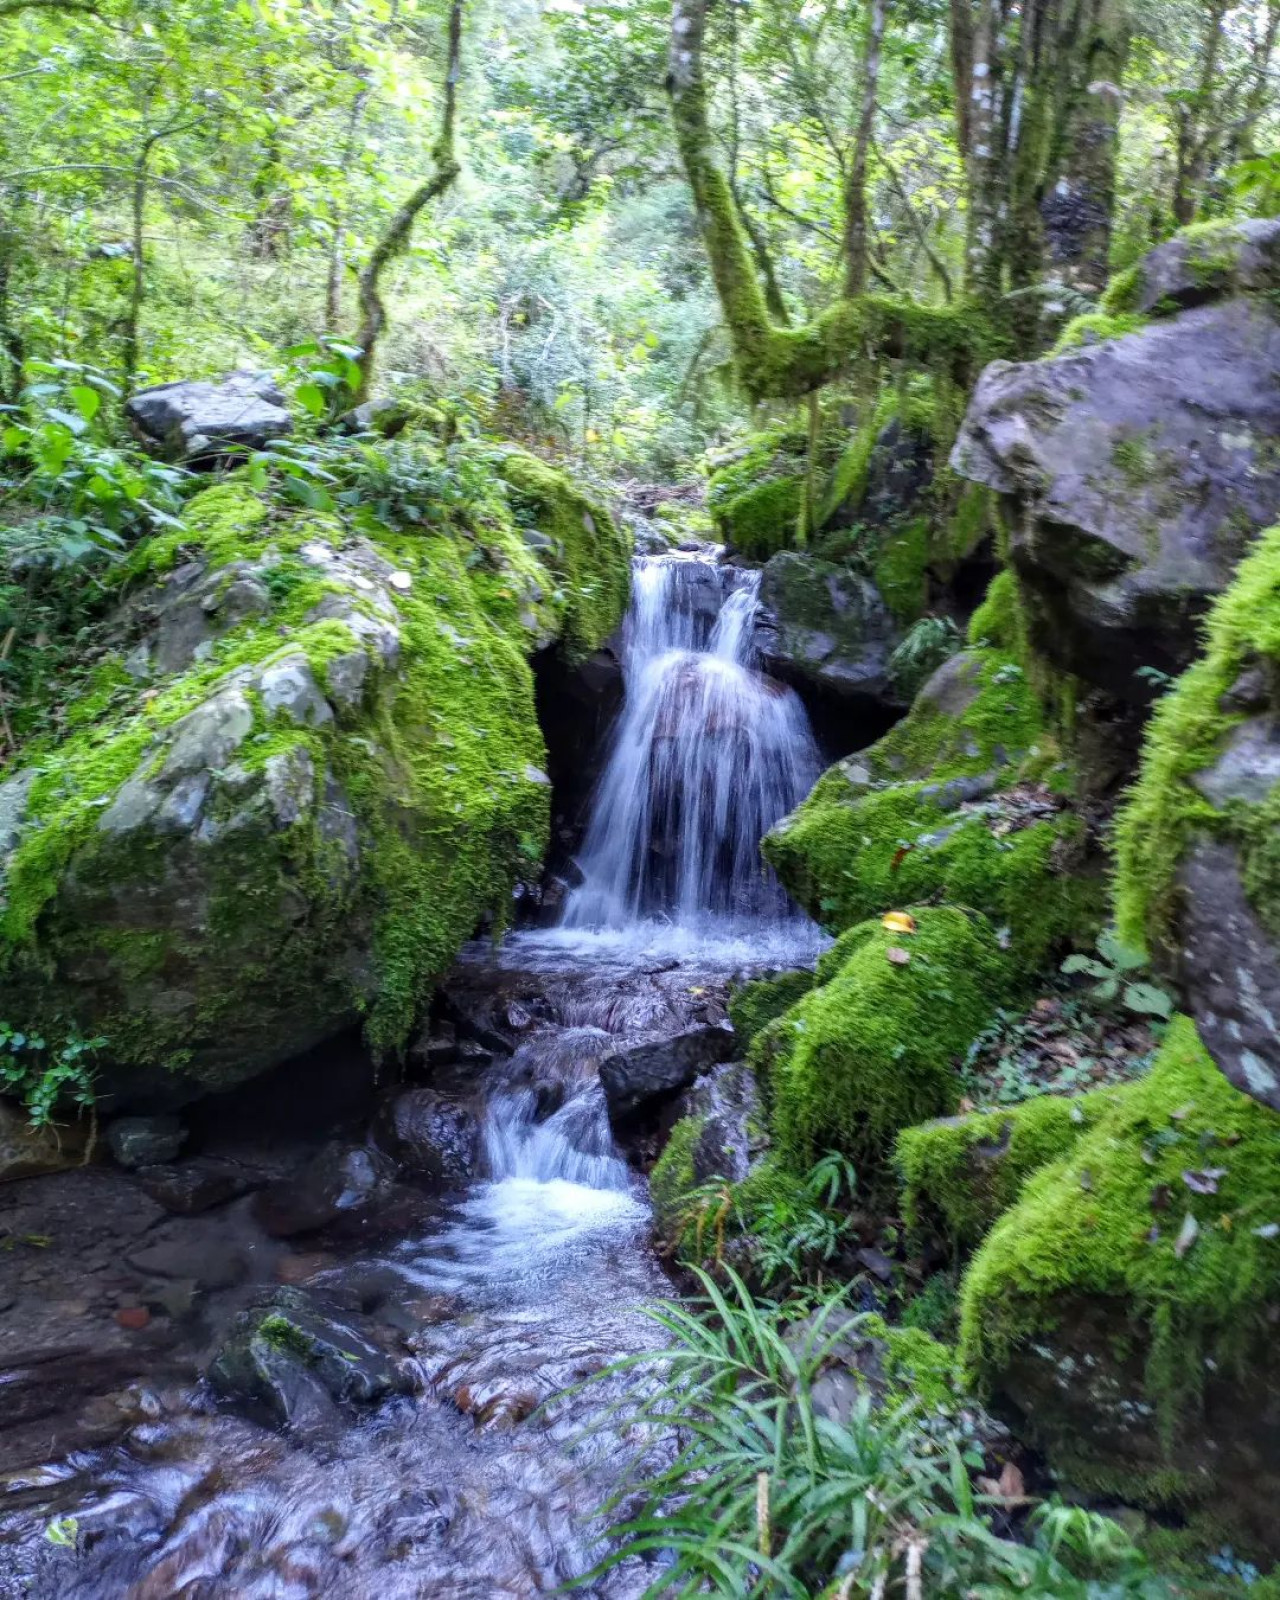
{"points": [[708, 755]]}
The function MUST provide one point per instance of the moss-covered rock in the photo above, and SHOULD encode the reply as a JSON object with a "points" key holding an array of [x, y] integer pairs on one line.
{"points": [[1126, 1303], [874, 1048], [936, 811], [1198, 879], [323, 770], [961, 1173]]}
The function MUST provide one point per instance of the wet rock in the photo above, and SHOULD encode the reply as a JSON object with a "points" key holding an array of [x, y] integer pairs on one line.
{"points": [[727, 1102], [643, 1072], [822, 626], [187, 1189], [341, 1183], [384, 416], [145, 1141], [26, 1152], [289, 1362], [1137, 473], [1230, 971], [435, 1136], [207, 1263], [200, 422]]}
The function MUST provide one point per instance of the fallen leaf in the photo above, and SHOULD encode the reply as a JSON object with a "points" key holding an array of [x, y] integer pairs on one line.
{"points": [[898, 922], [1187, 1236], [899, 856], [1205, 1181], [899, 956], [134, 1318], [966, 1105]]}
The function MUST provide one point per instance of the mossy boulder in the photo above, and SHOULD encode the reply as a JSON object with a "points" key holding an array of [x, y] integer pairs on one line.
{"points": [[1126, 1304], [942, 809], [1137, 471], [307, 768], [1198, 879], [825, 627], [762, 1001], [874, 1047]]}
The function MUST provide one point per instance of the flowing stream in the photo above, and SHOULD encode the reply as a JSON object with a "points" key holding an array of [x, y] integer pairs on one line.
{"points": [[529, 1280]]}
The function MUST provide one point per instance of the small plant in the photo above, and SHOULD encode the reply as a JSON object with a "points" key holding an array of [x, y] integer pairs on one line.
{"points": [[796, 1238], [1115, 968], [922, 650], [46, 1076], [770, 1495]]}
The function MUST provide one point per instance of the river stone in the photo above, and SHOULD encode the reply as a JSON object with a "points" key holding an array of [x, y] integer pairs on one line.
{"points": [[340, 1183], [288, 1360], [207, 1263], [195, 1186], [1248, 767], [727, 1100], [1230, 971], [145, 1141], [200, 422], [643, 1072], [1136, 473], [435, 1136], [823, 627]]}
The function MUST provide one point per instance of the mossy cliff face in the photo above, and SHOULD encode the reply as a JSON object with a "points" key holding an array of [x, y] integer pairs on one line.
{"points": [[1126, 1303], [1139, 463], [310, 768], [1198, 843]]}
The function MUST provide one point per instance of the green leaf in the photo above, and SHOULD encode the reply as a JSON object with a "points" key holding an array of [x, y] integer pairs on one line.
{"points": [[311, 396], [1148, 1000], [88, 402]]}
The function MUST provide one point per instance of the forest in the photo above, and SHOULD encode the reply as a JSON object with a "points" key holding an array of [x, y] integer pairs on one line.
{"points": [[639, 799]]}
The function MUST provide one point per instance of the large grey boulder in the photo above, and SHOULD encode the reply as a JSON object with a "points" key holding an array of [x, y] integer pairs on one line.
{"points": [[823, 627], [199, 421], [1136, 473], [1208, 263]]}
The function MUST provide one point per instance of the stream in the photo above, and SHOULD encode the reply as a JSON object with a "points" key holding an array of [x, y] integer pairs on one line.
{"points": [[503, 1296]]}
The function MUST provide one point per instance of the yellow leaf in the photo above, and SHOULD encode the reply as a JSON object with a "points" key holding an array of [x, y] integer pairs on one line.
{"points": [[898, 922]]}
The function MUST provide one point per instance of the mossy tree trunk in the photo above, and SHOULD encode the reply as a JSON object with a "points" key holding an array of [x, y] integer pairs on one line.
{"points": [[373, 310], [856, 253]]}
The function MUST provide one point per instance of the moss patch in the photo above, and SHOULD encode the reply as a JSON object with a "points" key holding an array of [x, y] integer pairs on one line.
{"points": [[874, 1048], [1102, 1226], [1186, 735], [756, 1004]]}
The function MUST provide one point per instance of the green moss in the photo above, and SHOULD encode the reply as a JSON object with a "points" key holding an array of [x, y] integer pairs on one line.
{"points": [[916, 1366], [1097, 327], [281, 1334], [1186, 735], [672, 1180], [440, 768], [901, 565], [1124, 292], [763, 519], [592, 553], [961, 1174], [998, 622], [873, 1049], [1101, 1227], [755, 1005]]}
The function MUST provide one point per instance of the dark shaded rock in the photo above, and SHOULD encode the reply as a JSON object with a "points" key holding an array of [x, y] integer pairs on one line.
{"points": [[1137, 473], [27, 1152], [645, 1071], [1208, 263], [732, 1134], [435, 1136], [187, 1189], [289, 1362], [145, 1141], [205, 1262], [899, 472], [824, 627], [1230, 971], [340, 1183], [198, 421]]}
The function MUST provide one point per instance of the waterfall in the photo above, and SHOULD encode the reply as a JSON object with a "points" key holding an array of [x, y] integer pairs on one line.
{"points": [[708, 755]]}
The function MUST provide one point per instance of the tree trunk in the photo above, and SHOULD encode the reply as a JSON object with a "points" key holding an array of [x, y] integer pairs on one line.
{"points": [[337, 245], [856, 254], [1196, 130], [987, 165], [1079, 200], [373, 311]]}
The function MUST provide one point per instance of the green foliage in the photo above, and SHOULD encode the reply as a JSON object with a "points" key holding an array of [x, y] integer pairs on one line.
{"points": [[47, 1076], [796, 1236], [771, 1495], [1115, 971], [921, 651]]}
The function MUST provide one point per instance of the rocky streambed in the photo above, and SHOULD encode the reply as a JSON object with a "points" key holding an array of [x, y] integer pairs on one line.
{"points": [[351, 1362]]}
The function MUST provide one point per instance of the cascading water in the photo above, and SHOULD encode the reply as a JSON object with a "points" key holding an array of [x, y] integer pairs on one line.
{"points": [[530, 1278], [708, 755]]}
